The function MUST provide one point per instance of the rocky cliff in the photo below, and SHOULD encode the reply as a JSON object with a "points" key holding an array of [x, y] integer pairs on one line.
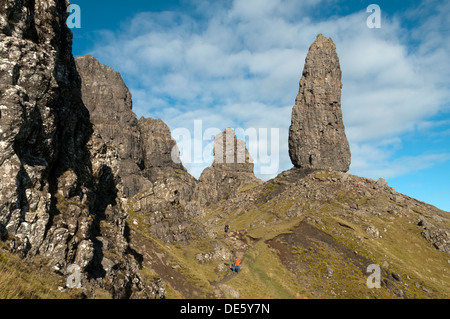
{"points": [[147, 151], [317, 137], [58, 196], [108, 100], [152, 176], [311, 232], [145, 146]]}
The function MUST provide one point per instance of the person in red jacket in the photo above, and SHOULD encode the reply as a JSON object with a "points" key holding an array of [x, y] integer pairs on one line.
{"points": [[236, 264]]}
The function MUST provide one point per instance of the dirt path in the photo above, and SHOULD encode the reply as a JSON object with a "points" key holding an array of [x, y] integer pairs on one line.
{"points": [[238, 244]]}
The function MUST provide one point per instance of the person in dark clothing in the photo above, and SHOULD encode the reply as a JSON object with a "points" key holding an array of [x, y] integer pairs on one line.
{"points": [[227, 227]]}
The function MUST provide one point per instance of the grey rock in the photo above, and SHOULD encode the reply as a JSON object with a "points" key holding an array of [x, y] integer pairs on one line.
{"points": [[45, 127], [159, 148], [317, 138], [329, 273], [439, 238], [231, 170], [396, 276], [148, 164], [231, 154], [373, 231], [109, 103], [425, 224], [58, 187], [200, 258], [381, 182], [145, 147]]}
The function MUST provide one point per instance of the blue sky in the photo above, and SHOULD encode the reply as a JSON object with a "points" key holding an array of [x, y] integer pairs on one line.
{"points": [[237, 63]]}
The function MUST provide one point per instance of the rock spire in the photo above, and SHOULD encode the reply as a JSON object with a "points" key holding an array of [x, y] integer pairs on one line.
{"points": [[317, 137], [231, 170]]}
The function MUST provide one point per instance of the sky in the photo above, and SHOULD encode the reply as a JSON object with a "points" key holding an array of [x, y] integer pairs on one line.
{"points": [[202, 66]]}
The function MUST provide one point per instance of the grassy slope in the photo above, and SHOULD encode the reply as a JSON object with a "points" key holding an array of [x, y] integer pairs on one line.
{"points": [[25, 279], [424, 270]]}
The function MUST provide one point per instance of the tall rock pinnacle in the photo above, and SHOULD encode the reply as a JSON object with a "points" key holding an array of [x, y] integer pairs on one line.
{"points": [[317, 137], [231, 154], [231, 170]]}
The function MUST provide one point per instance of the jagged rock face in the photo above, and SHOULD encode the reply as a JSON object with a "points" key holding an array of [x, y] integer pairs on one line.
{"points": [[55, 200], [148, 165], [44, 128], [317, 137], [165, 202], [159, 148], [438, 236], [231, 170], [146, 148], [163, 165], [109, 103], [231, 154], [115, 266]]}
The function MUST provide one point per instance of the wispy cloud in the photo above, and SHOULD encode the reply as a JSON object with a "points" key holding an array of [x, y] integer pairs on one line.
{"points": [[238, 64], [389, 168]]}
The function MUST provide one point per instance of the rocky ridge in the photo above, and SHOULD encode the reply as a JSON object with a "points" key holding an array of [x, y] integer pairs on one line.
{"points": [[153, 178], [145, 146]]}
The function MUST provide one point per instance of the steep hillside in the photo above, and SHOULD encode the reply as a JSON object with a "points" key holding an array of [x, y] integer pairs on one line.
{"points": [[306, 241], [311, 232]]}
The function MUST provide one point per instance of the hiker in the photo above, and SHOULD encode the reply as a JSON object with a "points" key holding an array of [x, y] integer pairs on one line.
{"points": [[236, 264], [297, 183], [227, 228]]}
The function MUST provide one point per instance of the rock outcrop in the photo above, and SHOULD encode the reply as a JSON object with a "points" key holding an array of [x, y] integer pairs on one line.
{"points": [[317, 137], [58, 196], [152, 176], [109, 103], [231, 170], [146, 148], [438, 236]]}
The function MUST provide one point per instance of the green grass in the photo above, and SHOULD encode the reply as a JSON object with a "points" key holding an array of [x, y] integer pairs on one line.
{"points": [[247, 187], [263, 276], [24, 279], [401, 245], [199, 275]]}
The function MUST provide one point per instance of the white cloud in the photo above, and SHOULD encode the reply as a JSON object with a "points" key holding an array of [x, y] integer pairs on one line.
{"points": [[239, 64], [401, 166]]}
